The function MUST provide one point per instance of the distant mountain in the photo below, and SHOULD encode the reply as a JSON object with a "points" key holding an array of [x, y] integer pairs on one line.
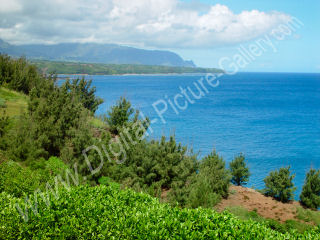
{"points": [[95, 53]]}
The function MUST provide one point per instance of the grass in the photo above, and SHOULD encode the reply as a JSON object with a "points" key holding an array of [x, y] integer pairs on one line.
{"points": [[97, 122], [244, 214], [12, 102], [304, 215], [308, 215]]}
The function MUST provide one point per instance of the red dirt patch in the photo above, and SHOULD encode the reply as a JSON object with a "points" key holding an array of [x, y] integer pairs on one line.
{"points": [[266, 207]]}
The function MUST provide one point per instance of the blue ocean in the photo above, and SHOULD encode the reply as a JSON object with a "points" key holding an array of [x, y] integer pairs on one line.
{"points": [[272, 118]]}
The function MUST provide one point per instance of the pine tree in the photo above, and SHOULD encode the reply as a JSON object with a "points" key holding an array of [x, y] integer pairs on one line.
{"points": [[310, 195], [119, 115], [239, 171], [279, 184]]}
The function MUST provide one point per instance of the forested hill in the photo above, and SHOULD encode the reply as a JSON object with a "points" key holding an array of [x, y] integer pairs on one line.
{"points": [[95, 53], [109, 69]]}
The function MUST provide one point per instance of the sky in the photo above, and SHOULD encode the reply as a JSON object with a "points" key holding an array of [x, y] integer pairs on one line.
{"points": [[251, 35]]}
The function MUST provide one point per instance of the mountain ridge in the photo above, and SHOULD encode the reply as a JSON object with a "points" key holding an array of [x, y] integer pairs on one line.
{"points": [[95, 53]]}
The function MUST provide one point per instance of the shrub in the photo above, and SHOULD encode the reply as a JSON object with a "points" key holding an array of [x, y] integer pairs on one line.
{"points": [[106, 213], [22, 181], [279, 185], [239, 171], [310, 195], [16, 180]]}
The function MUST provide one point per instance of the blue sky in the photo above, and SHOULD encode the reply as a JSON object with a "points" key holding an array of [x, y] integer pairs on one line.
{"points": [[300, 53], [205, 31]]}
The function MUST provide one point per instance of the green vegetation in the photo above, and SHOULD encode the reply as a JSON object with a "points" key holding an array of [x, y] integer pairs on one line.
{"points": [[20, 181], [119, 115], [308, 215], [210, 184], [285, 227], [109, 69], [57, 142], [17, 74], [104, 212], [310, 195], [12, 103], [244, 214], [239, 171], [279, 184]]}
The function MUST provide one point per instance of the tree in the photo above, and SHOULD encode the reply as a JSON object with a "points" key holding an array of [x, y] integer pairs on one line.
{"points": [[119, 115], [239, 171], [18, 74], [310, 195], [211, 183], [86, 93], [279, 184]]}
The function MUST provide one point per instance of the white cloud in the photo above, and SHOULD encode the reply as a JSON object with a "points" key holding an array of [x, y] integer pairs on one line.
{"points": [[148, 23], [9, 6]]}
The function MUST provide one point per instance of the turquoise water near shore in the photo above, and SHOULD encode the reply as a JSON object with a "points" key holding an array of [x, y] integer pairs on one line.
{"points": [[273, 118]]}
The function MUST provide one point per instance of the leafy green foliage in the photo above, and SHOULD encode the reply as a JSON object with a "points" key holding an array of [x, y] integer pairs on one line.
{"points": [[16, 180], [21, 181], [239, 171], [106, 213], [279, 184], [310, 195]]}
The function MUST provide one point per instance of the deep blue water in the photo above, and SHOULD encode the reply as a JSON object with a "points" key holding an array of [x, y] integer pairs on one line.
{"points": [[273, 118]]}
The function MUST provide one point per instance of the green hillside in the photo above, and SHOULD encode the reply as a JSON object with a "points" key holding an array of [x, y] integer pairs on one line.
{"points": [[108, 69], [109, 213], [12, 102]]}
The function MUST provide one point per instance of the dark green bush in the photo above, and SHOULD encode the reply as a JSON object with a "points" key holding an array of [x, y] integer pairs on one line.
{"points": [[310, 195], [239, 171], [279, 185], [209, 185], [154, 165]]}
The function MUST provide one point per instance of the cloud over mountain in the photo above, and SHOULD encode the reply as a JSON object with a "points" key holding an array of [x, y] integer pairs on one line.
{"points": [[144, 23]]}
